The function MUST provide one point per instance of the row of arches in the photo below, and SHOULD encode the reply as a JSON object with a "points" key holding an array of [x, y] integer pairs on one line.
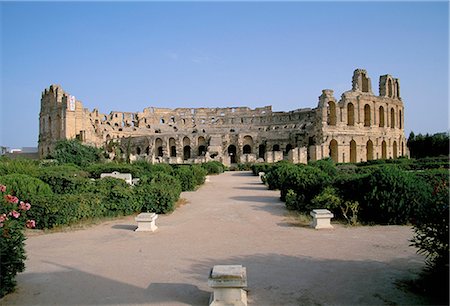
{"points": [[368, 120], [369, 150]]}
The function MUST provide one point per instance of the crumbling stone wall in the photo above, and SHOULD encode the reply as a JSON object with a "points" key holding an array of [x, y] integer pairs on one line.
{"points": [[358, 127]]}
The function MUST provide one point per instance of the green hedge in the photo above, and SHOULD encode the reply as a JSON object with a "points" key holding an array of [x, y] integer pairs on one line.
{"points": [[213, 167], [25, 187]]}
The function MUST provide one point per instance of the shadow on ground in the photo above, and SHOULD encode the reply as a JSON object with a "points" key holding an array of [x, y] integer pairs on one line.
{"points": [[75, 287], [127, 227], [275, 279]]}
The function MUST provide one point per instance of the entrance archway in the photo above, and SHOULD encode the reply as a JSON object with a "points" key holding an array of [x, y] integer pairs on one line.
{"points": [[353, 156], [232, 153], [334, 150]]}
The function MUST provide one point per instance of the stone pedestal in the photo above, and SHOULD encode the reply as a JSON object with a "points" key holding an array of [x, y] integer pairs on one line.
{"points": [[321, 218], [146, 222], [228, 282]]}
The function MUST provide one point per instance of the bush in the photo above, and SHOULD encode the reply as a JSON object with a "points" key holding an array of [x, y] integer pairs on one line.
{"points": [[328, 199], [13, 219], [25, 187], [326, 165], [277, 174], [391, 196], [214, 167], [431, 232], [18, 166], [117, 196], [306, 182], [199, 174], [64, 179], [186, 177], [73, 151], [261, 167], [244, 167], [158, 193]]}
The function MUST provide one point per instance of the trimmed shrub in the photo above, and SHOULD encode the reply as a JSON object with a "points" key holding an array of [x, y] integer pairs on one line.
{"points": [[244, 167], [73, 151], [65, 179], [277, 174], [326, 165], [199, 174], [18, 166], [118, 197], [391, 196], [25, 187], [262, 167], [158, 193], [186, 177], [328, 199], [213, 167]]}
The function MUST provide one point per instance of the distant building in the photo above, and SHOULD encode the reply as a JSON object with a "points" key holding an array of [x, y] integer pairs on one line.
{"points": [[359, 127]]}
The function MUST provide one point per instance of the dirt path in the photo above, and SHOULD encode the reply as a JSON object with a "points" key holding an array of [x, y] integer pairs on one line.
{"points": [[233, 219]]}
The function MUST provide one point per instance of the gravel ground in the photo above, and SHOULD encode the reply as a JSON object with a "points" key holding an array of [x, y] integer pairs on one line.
{"points": [[233, 219]]}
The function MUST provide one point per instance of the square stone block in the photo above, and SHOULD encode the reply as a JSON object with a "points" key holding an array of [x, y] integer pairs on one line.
{"points": [[228, 282], [321, 218], [146, 222]]}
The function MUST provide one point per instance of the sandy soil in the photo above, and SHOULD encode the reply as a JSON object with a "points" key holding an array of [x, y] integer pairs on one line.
{"points": [[233, 219]]}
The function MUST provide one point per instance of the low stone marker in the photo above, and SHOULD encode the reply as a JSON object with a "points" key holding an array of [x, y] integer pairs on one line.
{"points": [[228, 282], [124, 176], [321, 218], [146, 222]]}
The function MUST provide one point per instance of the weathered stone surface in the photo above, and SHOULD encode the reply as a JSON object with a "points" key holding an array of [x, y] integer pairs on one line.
{"points": [[146, 222], [321, 219], [358, 127], [227, 282], [123, 176]]}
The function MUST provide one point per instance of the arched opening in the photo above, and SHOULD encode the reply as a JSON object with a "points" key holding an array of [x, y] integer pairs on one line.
{"points": [[403, 151], [369, 150], [50, 127], [261, 151], [247, 149], [276, 148], [392, 118], [147, 151], [108, 138], [331, 113], [232, 153], [334, 150], [138, 151], [186, 152], [173, 147], [367, 118], [159, 148], [400, 119], [201, 150], [390, 88], [353, 156], [381, 116], [365, 83], [288, 148], [383, 150], [394, 149], [350, 114]]}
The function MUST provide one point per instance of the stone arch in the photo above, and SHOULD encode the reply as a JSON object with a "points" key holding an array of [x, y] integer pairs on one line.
{"points": [[159, 147], [248, 144], [276, 147], [402, 146], [381, 116], [394, 149], [108, 138], [201, 146], [262, 151], [333, 147], [288, 148], [232, 153], [369, 150], [390, 91], [138, 150], [331, 113], [383, 150], [350, 114], [392, 118], [399, 119], [247, 149], [186, 148], [367, 119], [172, 147], [353, 153], [147, 150]]}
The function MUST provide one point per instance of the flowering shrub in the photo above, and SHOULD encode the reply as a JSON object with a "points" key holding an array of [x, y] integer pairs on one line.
{"points": [[13, 219]]}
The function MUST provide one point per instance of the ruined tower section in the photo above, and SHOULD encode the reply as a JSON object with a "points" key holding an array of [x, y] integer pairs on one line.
{"points": [[62, 116], [362, 126]]}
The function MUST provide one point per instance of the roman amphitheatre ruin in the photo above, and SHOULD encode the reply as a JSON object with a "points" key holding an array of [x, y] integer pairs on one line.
{"points": [[360, 126]]}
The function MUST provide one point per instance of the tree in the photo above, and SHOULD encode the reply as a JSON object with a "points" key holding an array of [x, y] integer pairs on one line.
{"points": [[73, 151]]}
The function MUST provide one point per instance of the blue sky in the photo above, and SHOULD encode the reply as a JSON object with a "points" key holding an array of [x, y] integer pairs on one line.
{"points": [[128, 56]]}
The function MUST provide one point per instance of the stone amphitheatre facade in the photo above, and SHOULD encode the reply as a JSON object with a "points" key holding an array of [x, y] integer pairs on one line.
{"points": [[359, 127]]}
